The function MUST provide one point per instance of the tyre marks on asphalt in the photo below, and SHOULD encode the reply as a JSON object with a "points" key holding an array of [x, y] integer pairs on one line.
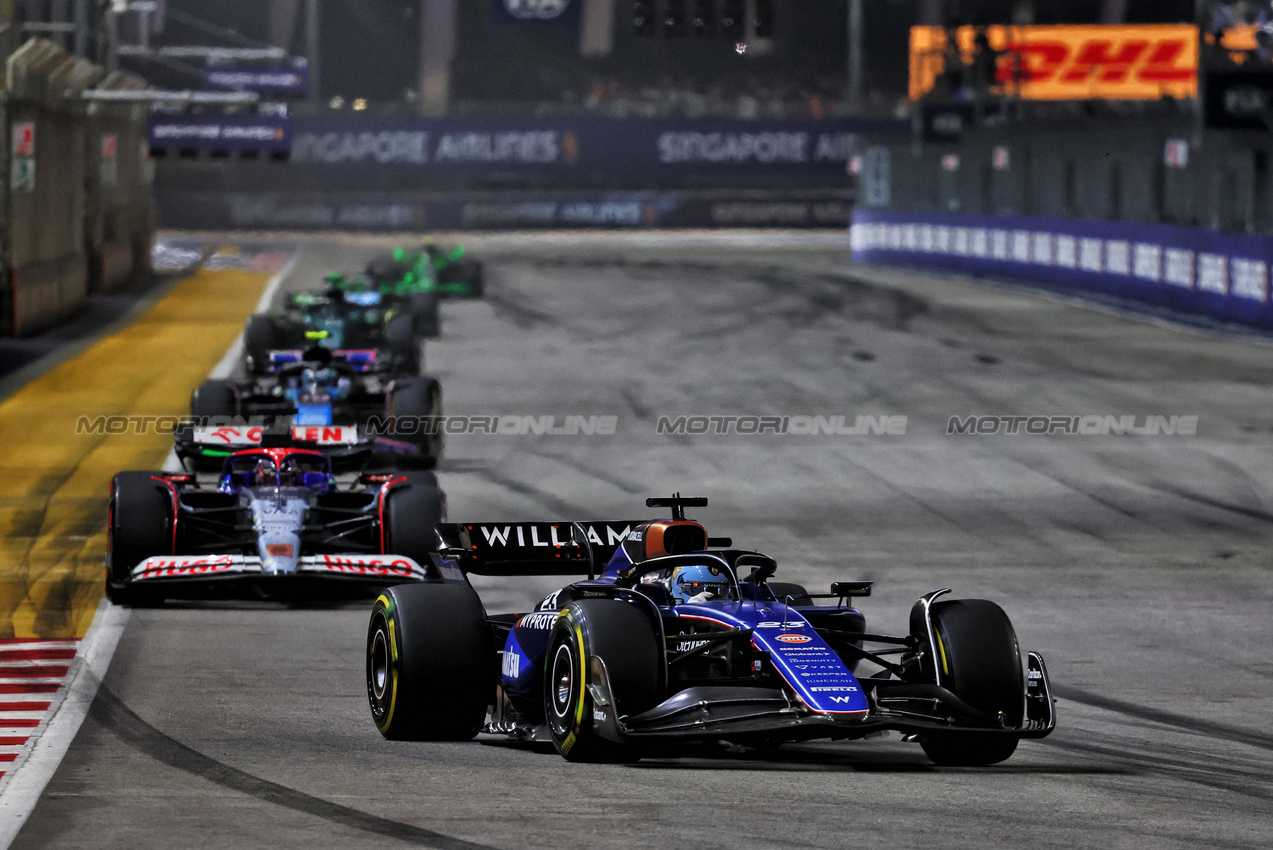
{"points": [[111, 713], [32, 674], [1210, 728], [1152, 749], [1197, 768]]}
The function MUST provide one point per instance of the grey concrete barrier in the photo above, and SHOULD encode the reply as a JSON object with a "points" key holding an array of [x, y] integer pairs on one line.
{"points": [[386, 212], [76, 211]]}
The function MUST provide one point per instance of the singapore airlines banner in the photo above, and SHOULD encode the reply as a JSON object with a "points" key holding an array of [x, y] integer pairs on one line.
{"points": [[373, 174], [582, 144]]}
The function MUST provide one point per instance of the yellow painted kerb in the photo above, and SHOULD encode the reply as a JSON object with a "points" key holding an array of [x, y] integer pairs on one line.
{"points": [[54, 483]]}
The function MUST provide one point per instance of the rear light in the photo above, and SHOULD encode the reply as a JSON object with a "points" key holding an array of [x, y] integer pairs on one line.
{"points": [[178, 478], [378, 478]]}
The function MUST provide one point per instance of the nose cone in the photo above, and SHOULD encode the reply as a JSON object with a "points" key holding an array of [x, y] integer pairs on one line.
{"points": [[278, 539], [279, 551]]}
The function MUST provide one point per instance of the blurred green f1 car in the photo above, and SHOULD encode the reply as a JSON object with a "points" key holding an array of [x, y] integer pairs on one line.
{"points": [[450, 273]]}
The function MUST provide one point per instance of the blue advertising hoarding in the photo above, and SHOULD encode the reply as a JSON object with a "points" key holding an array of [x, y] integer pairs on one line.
{"points": [[291, 81], [418, 211], [1225, 275], [220, 132], [633, 147]]}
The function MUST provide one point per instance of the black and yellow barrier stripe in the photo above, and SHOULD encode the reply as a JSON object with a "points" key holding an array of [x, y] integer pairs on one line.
{"points": [[57, 456]]}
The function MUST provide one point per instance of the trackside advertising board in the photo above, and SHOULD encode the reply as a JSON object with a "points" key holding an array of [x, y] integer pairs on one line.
{"points": [[292, 81], [220, 132], [1090, 62], [372, 211], [1225, 275], [338, 146]]}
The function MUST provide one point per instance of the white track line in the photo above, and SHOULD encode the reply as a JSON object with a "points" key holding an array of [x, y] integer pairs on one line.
{"points": [[29, 777], [25, 781]]}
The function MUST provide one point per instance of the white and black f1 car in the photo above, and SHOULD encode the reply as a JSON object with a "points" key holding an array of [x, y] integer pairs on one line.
{"points": [[677, 637], [344, 403], [276, 525]]}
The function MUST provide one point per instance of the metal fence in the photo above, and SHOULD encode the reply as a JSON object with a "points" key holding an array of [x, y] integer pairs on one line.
{"points": [[1153, 168]]}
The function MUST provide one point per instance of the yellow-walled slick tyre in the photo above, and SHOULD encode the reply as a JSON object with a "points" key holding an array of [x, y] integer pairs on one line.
{"points": [[623, 636], [430, 665], [980, 663]]}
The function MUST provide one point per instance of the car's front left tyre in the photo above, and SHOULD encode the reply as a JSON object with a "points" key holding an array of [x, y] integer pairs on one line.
{"points": [[622, 634]]}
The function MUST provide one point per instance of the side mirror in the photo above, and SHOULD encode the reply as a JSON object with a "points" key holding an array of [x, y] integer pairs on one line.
{"points": [[851, 588], [764, 572]]}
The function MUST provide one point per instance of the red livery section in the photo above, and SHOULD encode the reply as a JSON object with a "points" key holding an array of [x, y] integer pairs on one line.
{"points": [[189, 565], [368, 566]]}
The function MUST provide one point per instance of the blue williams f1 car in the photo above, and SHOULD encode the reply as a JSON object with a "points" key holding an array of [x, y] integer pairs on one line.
{"points": [[678, 637]]}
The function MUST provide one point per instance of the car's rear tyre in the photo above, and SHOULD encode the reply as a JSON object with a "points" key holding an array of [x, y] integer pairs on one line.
{"points": [[424, 306], [430, 665], [980, 662], [477, 280], [259, 338], [466, 272], [623, 635], [412, 509], [403, 344], [138, 526], [416, 403], [214, 398]]}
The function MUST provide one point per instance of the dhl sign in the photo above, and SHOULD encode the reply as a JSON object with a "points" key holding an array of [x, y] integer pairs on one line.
{"points": [[1116, 62]]}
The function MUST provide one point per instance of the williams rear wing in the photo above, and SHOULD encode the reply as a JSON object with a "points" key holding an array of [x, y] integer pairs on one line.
{"points": [[533, 548]]}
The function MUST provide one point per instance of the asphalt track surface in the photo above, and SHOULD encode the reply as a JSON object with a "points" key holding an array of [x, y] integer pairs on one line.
{"points": [[1138, 565]]}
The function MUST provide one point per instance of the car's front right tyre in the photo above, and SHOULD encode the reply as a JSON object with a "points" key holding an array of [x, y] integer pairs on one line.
{"points": [[138, 526], [980, 662], [429, 663], [622, 634]]}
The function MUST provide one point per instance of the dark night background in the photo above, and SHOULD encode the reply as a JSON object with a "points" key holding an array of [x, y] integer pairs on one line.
{"points": [[370, 49]]}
